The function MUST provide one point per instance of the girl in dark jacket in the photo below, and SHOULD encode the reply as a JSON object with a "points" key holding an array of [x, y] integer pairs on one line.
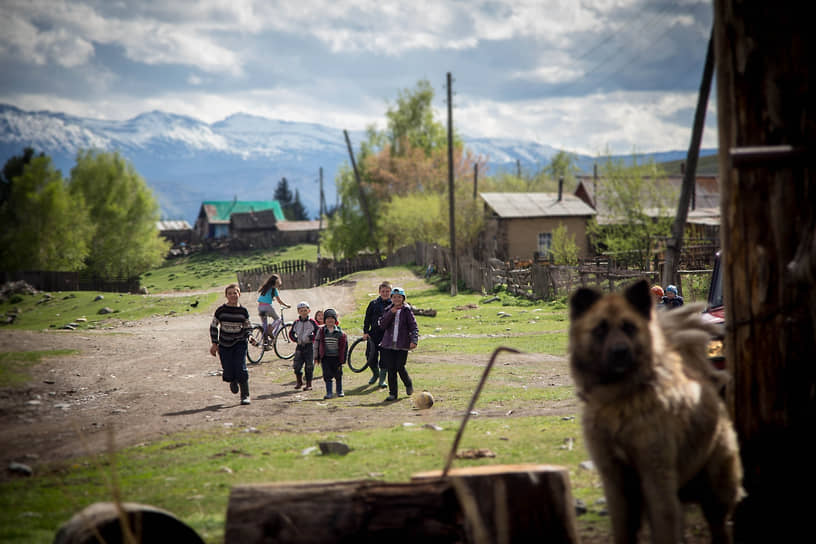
{"points": [[401, 335]]}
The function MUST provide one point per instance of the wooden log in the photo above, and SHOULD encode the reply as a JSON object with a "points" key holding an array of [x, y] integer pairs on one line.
{"points": [[426, 510]]}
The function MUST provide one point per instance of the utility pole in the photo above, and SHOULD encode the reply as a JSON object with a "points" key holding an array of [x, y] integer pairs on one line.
{"points": [[475, 179], [675, 242], [363, 202], [321, 207], [454, 276]]}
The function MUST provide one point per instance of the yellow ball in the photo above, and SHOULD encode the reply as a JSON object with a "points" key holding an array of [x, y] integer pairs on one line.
{"points": [[424, 400]]}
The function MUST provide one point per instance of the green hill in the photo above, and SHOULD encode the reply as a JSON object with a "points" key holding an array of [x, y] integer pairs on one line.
{"points": [[705, 165]]}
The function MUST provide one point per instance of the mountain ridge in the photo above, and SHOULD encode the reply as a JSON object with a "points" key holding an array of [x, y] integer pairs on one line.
{"points": [[186, 161]]}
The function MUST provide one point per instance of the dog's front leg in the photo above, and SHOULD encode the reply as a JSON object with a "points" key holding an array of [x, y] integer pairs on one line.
{"points": [[663, 507], [624, 501]]}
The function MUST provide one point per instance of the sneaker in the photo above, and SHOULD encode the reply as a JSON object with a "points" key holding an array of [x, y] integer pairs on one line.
{"points": [[246, 400], [409, 390], [327, 396], [383, 385], [341, 394], [373, 380], [234, 387], [389, 398]]}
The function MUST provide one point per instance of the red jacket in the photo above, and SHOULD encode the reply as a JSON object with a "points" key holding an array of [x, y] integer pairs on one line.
{"points": [[342, 342]]}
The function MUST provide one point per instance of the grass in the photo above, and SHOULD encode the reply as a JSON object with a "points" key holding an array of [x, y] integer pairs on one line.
{"points": [[191, 474], [14, 365], [207, 270], [81, 308]]}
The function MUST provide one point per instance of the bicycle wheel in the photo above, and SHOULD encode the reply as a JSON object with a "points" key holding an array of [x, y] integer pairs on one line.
{"points": [[284, 347], [255, 349], [357, 361]]}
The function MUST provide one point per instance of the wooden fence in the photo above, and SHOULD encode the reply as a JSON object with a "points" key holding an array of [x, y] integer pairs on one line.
{"points": [[47, 280]]}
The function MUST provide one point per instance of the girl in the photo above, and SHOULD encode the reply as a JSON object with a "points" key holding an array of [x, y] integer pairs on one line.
{"points": [[401, 335], [229, 331], [269, 291], [318, 317]]}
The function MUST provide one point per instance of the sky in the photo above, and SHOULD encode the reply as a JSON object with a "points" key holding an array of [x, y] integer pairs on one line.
{"points": [[588, 76]]}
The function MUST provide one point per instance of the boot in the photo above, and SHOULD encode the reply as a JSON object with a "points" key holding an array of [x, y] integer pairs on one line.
{"points": [[340, 387], [299, 383], [308, 386], [245, 392], [383, 375], [328, 390]]}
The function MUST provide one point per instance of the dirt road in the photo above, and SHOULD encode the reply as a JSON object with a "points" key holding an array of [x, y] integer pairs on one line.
{"points": [[146, 379]]}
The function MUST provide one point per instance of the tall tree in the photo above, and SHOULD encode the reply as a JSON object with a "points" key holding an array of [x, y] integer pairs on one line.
{"points": [[13, 168], [44, 226], [298, 209], [124, 211], [632, 213], [411, 121]]}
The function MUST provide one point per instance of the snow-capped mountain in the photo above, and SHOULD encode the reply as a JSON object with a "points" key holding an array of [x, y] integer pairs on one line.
{"points": [[187, 161]]}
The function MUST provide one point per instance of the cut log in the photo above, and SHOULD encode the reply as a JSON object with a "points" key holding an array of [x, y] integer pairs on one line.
{"points": [[470, 505]]}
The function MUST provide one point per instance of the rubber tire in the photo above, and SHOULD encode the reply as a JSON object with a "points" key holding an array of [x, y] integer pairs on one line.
{"points": [[255, 351], [353, 363], [284, 347]]}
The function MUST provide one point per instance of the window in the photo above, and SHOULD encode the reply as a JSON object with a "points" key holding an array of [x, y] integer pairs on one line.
{"points": [[544, 243]]}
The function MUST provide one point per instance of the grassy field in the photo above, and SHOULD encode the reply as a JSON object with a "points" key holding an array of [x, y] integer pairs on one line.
{"points": [[191, 474], [207, 270]]}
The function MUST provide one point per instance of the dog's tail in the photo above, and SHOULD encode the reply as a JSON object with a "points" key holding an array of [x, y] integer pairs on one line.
{"points": [[688, 333]]}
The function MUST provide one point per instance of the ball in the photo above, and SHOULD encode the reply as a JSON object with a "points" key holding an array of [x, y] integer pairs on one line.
{"points": [[424, 400]]}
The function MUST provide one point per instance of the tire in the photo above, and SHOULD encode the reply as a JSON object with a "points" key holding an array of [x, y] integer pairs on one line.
{"points": [[255, 349], [284, 347], [356, 358]]}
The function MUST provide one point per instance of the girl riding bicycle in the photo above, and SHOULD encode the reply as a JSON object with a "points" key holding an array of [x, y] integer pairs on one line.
{"points": [[269, 292]]}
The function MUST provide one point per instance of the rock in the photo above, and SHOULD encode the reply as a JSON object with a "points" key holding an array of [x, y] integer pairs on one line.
{"points": [[20, 468], [491, 299], [105, 310], [587, 465], [309, 450], [580, 507], [333, 448], [99, 297], [81, 320], [143, 291], [69, 327], [432, 427]]}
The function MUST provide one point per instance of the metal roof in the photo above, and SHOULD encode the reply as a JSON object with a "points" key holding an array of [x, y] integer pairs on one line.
{"points": [[173, 225], [219, 211], [518, 205]]}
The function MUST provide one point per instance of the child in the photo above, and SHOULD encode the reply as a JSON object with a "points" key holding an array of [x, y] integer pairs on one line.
{"points": [[330, 352], [672, 299], [401, 335], [230, 342], [318, 317], [269, 291], [657, 294], [303, 331], [373, 332]]}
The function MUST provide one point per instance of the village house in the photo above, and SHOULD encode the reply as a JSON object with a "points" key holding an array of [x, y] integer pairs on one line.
{"points": [[214, 216], [262, 230], [521, 225], [177, 232]]}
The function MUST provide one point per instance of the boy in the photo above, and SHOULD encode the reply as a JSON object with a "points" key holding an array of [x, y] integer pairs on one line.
{"points": [[373, 332], [330, 352], [231, 341], [401, 335], [303, 331]]}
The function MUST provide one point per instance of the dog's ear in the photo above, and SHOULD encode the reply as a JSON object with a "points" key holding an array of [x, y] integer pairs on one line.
{"points": [[640, 297], [582, 300]]}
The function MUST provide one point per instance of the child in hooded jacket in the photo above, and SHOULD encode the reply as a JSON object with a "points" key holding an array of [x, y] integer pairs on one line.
{"points": [[303, 332], [401, 335]]}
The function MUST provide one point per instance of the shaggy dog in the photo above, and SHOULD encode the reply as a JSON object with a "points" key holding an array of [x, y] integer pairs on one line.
{"points": [[653, 422]]}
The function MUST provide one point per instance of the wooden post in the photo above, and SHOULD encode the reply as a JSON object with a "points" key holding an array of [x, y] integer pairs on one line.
{"points": [[765, 88], [454, 274], [675, 242], [363, 200], [498, 503]]}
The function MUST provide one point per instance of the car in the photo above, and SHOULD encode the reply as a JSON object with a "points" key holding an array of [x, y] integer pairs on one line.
{"points": [[715, 313]]}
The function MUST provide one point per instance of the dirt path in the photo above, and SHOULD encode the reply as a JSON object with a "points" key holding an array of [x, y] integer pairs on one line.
{"points": [[146, 379]]}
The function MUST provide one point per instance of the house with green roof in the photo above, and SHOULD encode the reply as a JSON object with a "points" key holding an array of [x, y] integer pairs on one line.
{"points": [[213, 219]]}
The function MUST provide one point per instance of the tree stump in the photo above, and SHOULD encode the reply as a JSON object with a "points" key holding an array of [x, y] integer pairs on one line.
{"points": [[470, 505]]}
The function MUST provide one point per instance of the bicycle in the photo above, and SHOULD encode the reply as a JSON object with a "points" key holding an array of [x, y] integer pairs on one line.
{"points": [[281, 343]]}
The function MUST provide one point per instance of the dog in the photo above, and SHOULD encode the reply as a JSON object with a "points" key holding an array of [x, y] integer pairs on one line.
{"points": [[653, 421]]}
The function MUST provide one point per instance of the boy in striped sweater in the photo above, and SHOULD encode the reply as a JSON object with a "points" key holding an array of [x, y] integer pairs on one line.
{"points": [[330, 352], [229, 331]]}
